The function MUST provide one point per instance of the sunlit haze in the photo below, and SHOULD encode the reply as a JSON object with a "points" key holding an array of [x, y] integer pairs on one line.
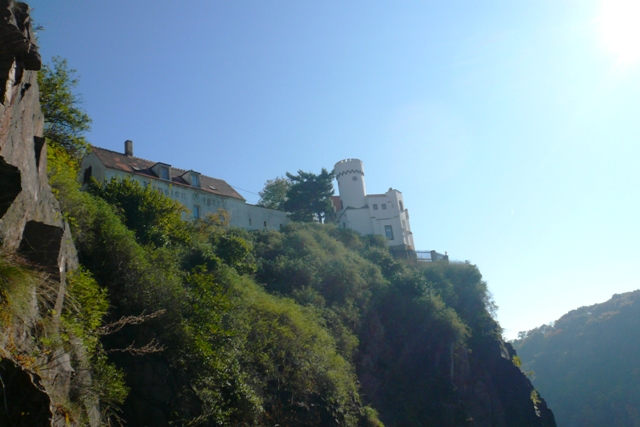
{"points": [[511, 127], [620, 25]]}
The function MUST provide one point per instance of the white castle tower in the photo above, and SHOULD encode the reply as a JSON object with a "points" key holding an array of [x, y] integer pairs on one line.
{"points": [[350, 176], [381, 214]]}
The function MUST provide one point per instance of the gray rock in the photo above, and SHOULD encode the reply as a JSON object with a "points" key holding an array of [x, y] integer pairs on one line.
{"points": [[32, 227]]}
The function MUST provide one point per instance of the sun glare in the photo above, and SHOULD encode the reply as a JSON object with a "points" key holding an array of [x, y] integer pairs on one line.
{"points": [[620, 27]]}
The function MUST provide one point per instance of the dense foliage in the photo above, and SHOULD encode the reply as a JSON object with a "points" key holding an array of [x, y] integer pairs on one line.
{"points": [[64, 121], [586, 363], [274, 193], [266, 327], [305, 195], [309, 196], [237, 353]]}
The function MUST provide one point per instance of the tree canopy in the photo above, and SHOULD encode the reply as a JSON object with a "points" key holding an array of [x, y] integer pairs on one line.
{"points": [[309, 197], [154, 218], [65, 123], [274, 194], [586, 363], [309, 326]]}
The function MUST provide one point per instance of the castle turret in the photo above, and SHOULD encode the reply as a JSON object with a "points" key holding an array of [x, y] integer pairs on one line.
{"points": [[350, 176]]}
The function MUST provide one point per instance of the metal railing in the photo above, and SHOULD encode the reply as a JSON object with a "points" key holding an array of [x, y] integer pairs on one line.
{"points": [[431, 256]]}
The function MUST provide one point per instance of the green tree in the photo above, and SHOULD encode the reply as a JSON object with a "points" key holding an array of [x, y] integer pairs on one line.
{"points": [[274, 194], [64, 121], [155, 219], [309, 197]]}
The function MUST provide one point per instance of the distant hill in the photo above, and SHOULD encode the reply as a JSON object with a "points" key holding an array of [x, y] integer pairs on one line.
{"points": [[587, 365]]}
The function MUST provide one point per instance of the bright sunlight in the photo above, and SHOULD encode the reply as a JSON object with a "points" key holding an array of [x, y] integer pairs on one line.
{"points": [[620, 27]]}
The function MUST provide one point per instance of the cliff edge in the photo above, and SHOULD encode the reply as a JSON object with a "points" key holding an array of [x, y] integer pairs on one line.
{"points": [[38, 385]]}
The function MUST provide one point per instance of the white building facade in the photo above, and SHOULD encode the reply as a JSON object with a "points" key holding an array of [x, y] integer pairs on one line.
{"points": [[381, 214], [200, 194]]}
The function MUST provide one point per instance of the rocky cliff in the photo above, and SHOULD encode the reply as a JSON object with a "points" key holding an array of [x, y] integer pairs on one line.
{"points": [[425, 380], [37, 383]]}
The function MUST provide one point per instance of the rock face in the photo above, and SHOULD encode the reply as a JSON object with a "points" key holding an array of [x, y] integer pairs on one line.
{"points": [[494, 392], [31, 227], [448, 384]]}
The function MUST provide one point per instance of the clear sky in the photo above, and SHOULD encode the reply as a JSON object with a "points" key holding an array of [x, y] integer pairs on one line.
{"points": [[511, 127]]}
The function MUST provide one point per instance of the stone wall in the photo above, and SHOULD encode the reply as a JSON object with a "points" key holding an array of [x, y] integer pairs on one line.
{"points": [[32, 229]]}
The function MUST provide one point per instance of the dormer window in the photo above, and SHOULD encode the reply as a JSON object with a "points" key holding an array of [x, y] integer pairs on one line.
{"points": [[192, 178], [164, 173]]}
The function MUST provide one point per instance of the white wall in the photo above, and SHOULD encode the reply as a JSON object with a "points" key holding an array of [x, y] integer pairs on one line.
{"points": [[241, 214], [97, 168], [356, 219]]}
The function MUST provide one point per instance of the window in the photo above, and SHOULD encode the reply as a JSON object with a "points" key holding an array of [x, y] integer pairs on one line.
{"points": [[87, 175], [164, 173], [344, 225], [375, 206], [249, 221], [265, 223], [195, 180], [384, 206], [388, 231], [401, 206], [196, 211]]}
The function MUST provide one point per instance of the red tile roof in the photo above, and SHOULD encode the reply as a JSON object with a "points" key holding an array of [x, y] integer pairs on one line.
{"points": [[137, 166]]}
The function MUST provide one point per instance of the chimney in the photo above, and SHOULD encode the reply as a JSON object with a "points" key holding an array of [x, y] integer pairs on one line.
{"points": [[128, 148]]}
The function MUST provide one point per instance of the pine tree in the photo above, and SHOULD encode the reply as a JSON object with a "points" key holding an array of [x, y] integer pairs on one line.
{"points": [[309, 197]]}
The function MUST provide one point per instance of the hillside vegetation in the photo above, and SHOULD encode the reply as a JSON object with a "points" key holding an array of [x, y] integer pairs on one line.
{"points": [[194, 323], [587, 365], [310, 326]]}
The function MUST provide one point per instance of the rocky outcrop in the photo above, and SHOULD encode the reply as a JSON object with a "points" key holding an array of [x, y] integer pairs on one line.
{"points": [[445, 383], [32, 229], [493, 390]]}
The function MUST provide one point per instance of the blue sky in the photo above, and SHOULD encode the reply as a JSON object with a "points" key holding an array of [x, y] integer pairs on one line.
{"points": [[511, 127]]}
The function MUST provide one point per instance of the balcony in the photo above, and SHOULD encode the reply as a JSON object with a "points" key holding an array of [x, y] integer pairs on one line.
{"points": [[431, 256]]}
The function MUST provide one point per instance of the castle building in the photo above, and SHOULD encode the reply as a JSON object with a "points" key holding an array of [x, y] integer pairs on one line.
{"points": [[381, 214], [200, 194]]}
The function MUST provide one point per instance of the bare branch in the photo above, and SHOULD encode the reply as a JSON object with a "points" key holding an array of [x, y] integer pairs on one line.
{"points": [[152, 347], [114, 327]]}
